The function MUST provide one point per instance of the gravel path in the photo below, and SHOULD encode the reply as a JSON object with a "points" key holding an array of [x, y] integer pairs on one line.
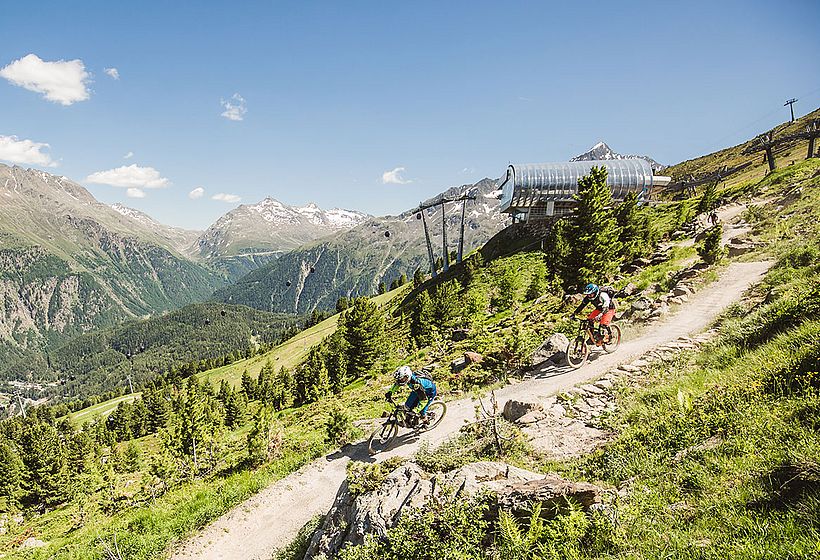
{"points": [[270, 520]]}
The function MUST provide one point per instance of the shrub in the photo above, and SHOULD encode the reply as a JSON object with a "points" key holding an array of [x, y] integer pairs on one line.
{"points": [[711, 249]]}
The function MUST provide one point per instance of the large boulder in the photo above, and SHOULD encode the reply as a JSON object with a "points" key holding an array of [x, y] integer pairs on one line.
{"points": [[486, 476], [552, 492], [553, 349], [352, 517], [515, 409]]}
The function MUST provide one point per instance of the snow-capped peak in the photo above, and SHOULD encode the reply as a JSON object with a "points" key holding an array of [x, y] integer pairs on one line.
{"points": [[601, 151]]}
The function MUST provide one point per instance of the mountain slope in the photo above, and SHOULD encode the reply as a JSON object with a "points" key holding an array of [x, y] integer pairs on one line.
{"points": [[69, 263], [354, 262], [182, 240], [601, 151]]}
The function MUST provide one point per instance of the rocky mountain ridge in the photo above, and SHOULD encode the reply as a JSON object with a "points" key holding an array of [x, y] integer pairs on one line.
{"points": [[271, 226], [601, 151]]}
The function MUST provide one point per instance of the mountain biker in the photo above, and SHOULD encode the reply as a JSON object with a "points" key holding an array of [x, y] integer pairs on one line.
{"points": [[604, 307], [421, 387]]}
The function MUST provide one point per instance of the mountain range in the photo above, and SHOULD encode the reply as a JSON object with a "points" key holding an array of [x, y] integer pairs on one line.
{"points": [[355, 261]]}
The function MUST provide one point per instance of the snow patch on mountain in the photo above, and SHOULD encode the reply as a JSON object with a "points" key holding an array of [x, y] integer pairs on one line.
{"points": [[601, 151]]}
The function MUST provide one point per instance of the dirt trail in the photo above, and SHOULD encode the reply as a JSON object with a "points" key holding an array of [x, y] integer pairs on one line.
{"points": [[270, 520]]}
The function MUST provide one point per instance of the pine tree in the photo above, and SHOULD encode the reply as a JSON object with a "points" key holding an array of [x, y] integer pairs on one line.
{"points": [[11, 474], [382, 288], [635, 235], [394, 284], [264, 438], [446, 305], [711, 249], [249, 386], [708, 199], [363, 334], [46, 478], [592, 231], [341, 304], [159, 409], [421, 319], [418, 278], [402, 279]]}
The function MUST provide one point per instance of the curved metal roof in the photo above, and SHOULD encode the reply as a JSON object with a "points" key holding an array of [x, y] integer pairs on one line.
{"points": [[527, 184]]}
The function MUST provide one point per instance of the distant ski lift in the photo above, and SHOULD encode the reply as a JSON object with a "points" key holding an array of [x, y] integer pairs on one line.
{"points": [[312, 270], [418, 216], [288, 283], [222, 312], [387, 234], [207, 322]]}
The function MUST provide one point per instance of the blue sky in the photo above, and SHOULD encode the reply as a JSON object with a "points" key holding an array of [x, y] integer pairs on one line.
{"points": [[336, 94]]}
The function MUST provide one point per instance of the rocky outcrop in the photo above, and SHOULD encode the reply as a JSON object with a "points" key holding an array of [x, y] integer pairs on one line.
{"points": [[510, 488], [551, 492]]}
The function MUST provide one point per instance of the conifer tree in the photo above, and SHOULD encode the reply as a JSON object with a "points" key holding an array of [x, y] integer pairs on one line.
{"points": [[394, 284], [264, 438], [711, 249], [421, 319], [418, 278], [341, 304], [159, 409], [11, 473], [635, 234], [592, 231], [708, 199], [402, 279], [43, 454], [382, 288], [363, 335], [249, 386]]}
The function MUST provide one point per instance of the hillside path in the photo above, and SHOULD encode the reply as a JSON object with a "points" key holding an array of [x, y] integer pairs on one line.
{"points": [[268, 521]]}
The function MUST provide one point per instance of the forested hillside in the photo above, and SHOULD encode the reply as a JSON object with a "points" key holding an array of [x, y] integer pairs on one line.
{"points": [[100, 361]]}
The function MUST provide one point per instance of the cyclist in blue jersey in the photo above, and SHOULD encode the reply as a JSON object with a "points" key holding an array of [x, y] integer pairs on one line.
{"points": [[421, 388]]}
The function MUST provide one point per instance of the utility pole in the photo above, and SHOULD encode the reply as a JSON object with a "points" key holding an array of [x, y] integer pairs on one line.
{"points": [[791, 103], [427, 239], [130, 386], [22, 406], [444, 238]]}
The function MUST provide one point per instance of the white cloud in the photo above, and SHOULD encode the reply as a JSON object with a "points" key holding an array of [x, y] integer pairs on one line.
{"points": [[113, 72], [235, 108], [196, 193], [63, 82], [224, 197], [131, 177], [129, 155], [394, 177], [25, 151], [135, 193], [468, 171]]}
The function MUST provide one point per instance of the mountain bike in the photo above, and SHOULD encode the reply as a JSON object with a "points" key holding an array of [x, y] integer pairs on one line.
{"points": [[578, 350], [400, 417]]}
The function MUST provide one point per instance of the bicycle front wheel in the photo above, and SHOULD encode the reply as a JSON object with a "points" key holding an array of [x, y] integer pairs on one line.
{"points": [[613, 339], [435, 414], [577, 352], [382, 436]]}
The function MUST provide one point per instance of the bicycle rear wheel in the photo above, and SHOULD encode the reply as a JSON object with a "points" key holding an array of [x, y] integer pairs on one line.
{"points": [[382, 436], [577, 352], [613, 340], [435, 414]]}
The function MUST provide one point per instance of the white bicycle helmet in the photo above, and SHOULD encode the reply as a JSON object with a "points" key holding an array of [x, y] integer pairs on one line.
{"points": [[402, 375]]}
